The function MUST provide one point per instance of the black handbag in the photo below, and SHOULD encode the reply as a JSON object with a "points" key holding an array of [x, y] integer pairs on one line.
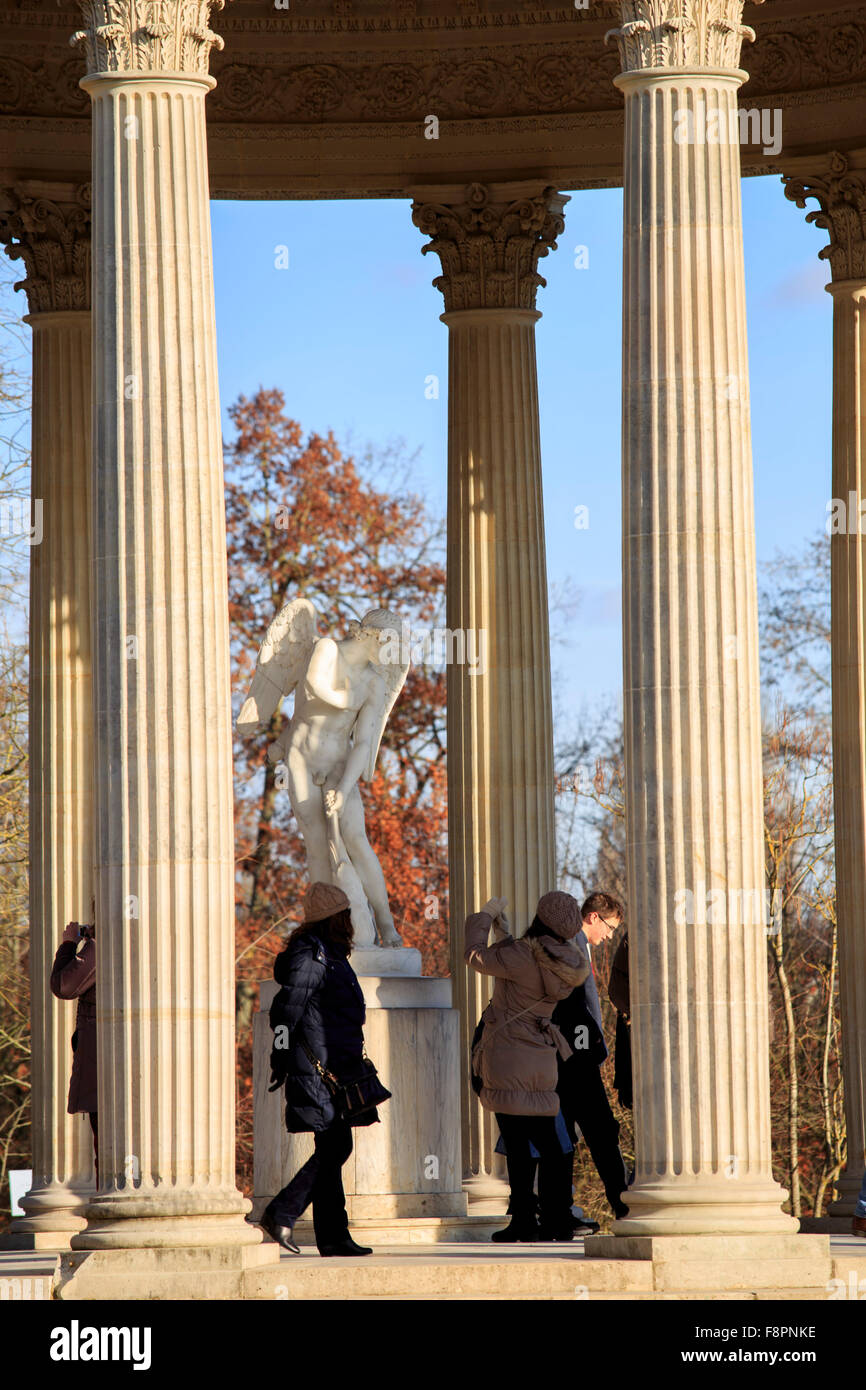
{"points": [[356, 1095]]}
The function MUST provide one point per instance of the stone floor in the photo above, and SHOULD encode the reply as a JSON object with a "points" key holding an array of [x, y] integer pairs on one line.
{"points": [[473, 1271]]}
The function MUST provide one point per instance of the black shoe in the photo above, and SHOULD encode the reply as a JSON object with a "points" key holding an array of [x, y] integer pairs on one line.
{"points": [[582, 1227], [281, 1234], [564, 1232], [517, 1230], [347, 1246]]}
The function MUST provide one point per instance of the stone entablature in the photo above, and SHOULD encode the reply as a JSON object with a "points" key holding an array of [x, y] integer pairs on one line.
{"points": [[328, 99]]}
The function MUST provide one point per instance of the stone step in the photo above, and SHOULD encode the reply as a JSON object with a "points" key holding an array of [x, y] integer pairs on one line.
{"points": [[455, 1271]]}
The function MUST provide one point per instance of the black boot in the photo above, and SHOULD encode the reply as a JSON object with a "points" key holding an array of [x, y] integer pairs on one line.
{"points": [[346, 1246], [520, 1228], [281, 1234]]}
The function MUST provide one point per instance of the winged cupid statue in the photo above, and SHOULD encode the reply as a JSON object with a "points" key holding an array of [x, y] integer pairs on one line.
{"points": [[344, 692]]}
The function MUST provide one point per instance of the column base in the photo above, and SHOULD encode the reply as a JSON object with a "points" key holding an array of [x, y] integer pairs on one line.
{"points": [[723, 1263], [165, 1221], [54, 1214], [681, 1206], [486, 1195], [196, 1272], [13, 1239]]}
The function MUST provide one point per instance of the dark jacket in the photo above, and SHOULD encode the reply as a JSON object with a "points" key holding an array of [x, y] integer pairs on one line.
{"points": [[582, 1009], [320, 1004], [618, 986], [73, 977]]}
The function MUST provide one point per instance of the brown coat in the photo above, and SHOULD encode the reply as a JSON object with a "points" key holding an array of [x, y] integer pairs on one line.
{"points": [[73, 977], [516, 1057]]}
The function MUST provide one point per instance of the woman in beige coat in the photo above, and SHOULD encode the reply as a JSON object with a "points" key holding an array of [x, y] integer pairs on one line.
{"points": [[516, 1054]]}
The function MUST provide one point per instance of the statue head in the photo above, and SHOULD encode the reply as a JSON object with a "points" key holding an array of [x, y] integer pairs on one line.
{"points": [[383, 629]]}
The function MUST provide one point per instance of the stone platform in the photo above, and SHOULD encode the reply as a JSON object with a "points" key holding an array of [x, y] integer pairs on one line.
{"points": [[454, 1270]]}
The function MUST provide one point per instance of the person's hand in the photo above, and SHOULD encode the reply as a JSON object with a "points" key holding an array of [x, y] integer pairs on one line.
{"points": [[334, 802], [495, 907], [70, 932]]}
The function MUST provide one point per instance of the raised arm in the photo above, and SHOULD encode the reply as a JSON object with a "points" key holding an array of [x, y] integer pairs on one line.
{"points": [[321, 675], [487, 960], [72, 974]]}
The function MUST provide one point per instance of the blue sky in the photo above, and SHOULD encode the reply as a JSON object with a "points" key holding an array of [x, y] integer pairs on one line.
{"points": [[350, 332]]}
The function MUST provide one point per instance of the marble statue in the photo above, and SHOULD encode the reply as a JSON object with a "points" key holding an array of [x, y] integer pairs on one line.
{"points": [[344, 692]]}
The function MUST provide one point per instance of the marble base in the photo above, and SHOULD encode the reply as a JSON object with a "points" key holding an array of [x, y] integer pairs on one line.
{"points": [[202, 1272], [386, 960]]}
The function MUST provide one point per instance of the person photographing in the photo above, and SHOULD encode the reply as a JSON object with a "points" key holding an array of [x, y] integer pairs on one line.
{"points": [[73, 976]]}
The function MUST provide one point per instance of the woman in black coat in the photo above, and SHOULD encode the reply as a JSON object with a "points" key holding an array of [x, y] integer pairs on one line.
{"points": [[317, 1016]]}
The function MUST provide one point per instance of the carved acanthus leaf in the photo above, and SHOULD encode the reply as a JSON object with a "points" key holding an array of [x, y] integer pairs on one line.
{"points": [[489, 249], [680, 34], [841, 195], [52, 238], [148, 36]]}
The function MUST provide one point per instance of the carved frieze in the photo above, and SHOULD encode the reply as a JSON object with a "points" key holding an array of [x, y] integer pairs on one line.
{"points": [[52, 238], [489, 246], [680, 33], [144, 36], [841, 197]]}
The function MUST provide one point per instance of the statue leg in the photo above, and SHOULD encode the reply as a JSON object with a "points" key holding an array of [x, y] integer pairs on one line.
{"points": [[309, 812], [367, 866]]}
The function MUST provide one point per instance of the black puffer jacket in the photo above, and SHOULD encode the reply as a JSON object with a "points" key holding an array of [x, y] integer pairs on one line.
{"points": [[320, 1004]]}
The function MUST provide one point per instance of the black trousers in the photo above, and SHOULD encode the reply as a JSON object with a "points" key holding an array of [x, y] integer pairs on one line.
{"points": [[554, 1176], [584, 1103], [320, 1181], [94, 1125]]}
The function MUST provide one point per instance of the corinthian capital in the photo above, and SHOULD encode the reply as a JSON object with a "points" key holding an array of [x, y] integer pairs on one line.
{"points": [[148, 36], [841, 197], [681, 34], [51, 235], [489, 241]]}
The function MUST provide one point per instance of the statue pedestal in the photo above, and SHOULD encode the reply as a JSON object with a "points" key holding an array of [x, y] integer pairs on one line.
{"points": [[408, 1165], [378, 961]]}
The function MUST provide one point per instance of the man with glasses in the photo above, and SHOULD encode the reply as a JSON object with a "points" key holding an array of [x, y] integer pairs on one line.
{"points": [[582, 1095]]}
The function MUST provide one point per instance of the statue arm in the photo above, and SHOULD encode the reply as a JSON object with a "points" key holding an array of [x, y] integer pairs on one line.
{"points": [[321, 676]]}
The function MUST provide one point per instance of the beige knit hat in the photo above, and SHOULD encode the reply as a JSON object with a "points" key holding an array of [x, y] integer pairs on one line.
{"points": [[560, 913], [323, 900]]}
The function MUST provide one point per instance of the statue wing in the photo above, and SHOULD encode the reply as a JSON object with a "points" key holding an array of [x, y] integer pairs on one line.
{"points": [[393, 675], [283, 658]]}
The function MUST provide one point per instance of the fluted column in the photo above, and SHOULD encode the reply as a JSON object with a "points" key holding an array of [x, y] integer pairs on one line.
{"points": [[48, 227], [691, 687], [841, 195], [164, 849], [500, 742]]}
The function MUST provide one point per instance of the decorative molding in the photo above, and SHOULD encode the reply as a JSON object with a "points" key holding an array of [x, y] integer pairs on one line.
{"points": [[489, 248], [52, 238], [148, 36], [681, 33], [841, 195], [298, 81]]}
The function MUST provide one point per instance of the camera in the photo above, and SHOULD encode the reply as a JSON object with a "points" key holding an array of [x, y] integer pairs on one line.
{"points": [[86, 933]]}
